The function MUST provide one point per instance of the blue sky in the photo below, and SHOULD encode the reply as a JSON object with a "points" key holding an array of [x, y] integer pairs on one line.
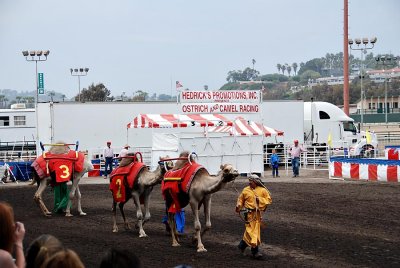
{"points": [[134, 45]]}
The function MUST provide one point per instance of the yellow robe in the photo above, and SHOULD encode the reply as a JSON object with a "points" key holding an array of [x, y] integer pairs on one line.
{"points": [[247, 199]]}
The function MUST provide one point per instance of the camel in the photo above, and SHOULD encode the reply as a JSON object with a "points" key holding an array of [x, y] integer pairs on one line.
{"points": [[44, 181], [203, 185], [141, 190]]}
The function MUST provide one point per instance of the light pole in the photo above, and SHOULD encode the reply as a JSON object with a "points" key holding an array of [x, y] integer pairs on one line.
{"points": [[386, 61], [367, 44], [79, 72], [39, 55]]}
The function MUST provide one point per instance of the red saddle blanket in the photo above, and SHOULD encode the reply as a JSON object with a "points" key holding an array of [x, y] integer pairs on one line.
{"points": [[64, 165], [118, 175], [178, 181]]}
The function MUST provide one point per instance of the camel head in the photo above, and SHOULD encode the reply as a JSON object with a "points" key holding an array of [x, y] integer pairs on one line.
{"points": [[165, 164], [228, 172]]}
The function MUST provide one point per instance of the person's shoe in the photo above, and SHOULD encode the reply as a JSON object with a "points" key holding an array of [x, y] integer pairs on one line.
{"points": [[258, 255], [241, 250], [278, 176], [293, 176]]}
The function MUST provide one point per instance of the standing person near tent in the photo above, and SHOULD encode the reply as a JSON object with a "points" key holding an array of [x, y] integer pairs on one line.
{"points": [[274, 163], [108, 154], [253, 200], [124, 151], [295, 152]]}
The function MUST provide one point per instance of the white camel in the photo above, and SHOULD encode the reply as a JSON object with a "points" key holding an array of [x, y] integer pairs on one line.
{"points": [[141, 190], [201, 188], [43, 182]]}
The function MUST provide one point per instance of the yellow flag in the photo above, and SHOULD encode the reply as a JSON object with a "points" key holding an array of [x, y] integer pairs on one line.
{"points": [[368, 136], [330, 139]]}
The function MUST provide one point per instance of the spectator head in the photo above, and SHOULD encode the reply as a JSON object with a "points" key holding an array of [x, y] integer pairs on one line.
{"points": [[7, 228], [127, 146], [66, 258], [108, 143], [296, 142], [120, 258], [41, 249]]}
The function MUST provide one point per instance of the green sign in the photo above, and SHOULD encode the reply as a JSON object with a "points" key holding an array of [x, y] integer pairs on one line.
{"points": [[40, 83]]}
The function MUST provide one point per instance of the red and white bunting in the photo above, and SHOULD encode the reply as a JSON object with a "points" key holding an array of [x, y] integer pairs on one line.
{"points": [[244, 127], [178, 120]]}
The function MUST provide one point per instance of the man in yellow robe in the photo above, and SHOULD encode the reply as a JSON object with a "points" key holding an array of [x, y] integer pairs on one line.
{"points": [[254, 199]]}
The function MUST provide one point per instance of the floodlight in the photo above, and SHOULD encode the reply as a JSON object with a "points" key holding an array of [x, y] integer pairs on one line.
{"points": [[373, 40], [86, 69], [25, 53], [39, 53], [32, 53], [358, 41], [81, 70], [365, 41], [46, 53], [351, 42], [75, 70], [71, 70]]}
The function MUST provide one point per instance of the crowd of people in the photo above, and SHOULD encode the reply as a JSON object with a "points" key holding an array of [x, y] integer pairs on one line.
{"points": [[46, 251]]}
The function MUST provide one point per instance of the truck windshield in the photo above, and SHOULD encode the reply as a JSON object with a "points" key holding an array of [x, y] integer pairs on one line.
{"points": [[349, 126]]}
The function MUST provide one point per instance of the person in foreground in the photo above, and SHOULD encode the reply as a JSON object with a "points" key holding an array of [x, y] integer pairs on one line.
{"points": [[11, 238], [41, 249], [253, 200], [119, 258], [66, 258]]}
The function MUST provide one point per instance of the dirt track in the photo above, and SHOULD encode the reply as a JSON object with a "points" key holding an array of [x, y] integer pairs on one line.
{"points": [[315, 224]]}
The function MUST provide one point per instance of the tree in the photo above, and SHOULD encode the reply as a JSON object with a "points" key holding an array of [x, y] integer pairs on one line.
{"points": [[289, 69], [140, 96], [94, 93], [279, 67], [283, 68], [294, 66]]}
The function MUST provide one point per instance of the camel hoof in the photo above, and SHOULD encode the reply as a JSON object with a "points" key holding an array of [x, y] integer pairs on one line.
{"points": [[68, 215], [142, 235], [82, 213], [202, 249], [115, 230], [176, 245], [47, 214]]}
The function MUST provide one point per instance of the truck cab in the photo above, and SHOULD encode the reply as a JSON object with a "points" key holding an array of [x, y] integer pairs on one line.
{"points": [[325, 123]]}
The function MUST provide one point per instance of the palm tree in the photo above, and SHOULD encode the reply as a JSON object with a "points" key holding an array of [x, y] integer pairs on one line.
{"points": [[294, 66], [288, 68], [283, 68], [279, 66], [18, 98]]}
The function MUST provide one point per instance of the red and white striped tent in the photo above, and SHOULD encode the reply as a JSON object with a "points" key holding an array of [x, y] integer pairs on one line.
{"points": [[178, 121], [243, 127]]}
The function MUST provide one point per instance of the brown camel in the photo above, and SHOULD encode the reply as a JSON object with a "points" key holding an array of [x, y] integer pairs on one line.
{"points": [[44, 181], [201, 188], [141, 190]]}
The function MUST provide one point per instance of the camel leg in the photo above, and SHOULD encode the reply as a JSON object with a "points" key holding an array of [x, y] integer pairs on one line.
{"points": [[114, 216], [121, 209], [79, 196], [147, 214], [71, 197], [139, 215], [38, 197], [207, 213], [172, 224], [197, 226]]}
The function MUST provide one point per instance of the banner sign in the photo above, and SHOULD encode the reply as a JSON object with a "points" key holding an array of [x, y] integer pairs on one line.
{"points": [[235, 96], [223, 101]]}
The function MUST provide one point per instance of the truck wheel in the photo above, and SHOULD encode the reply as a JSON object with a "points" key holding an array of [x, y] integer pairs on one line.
{"points": [[367, 151]]}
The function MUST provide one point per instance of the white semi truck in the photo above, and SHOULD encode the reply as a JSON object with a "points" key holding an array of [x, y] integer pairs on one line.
{"points": [[325, 123]]}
